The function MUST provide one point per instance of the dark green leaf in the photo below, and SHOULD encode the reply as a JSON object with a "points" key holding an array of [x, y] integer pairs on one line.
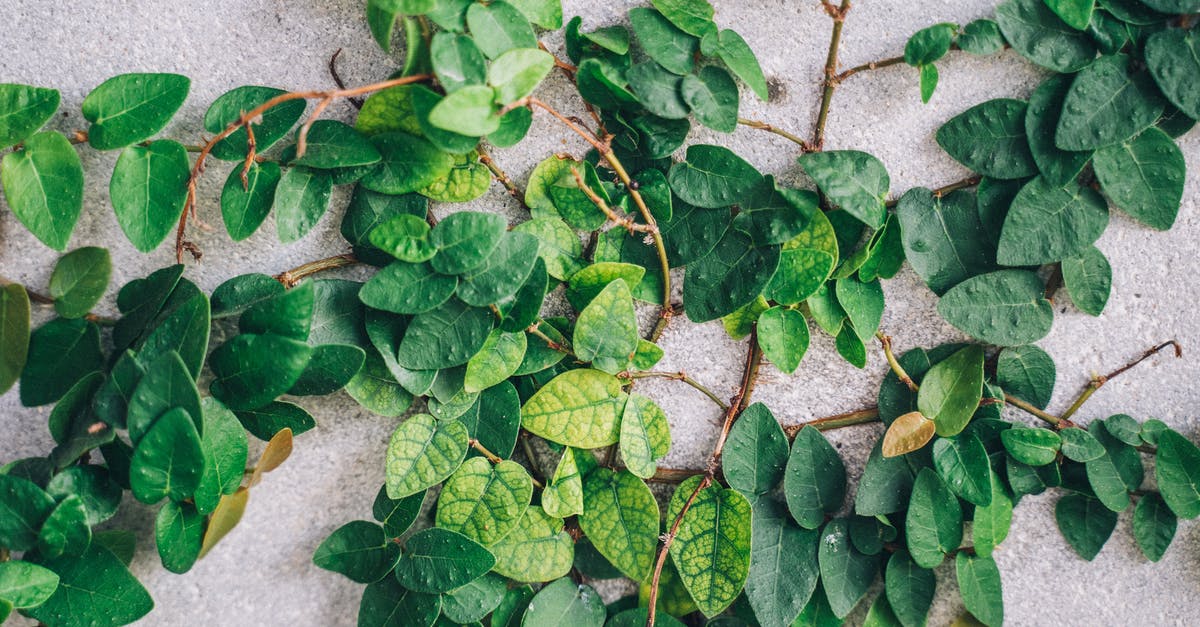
{"points": [[1088, 278], [1005, 308], [410, 163], [1079, 445], [1172, 56], [14, 334], [740, 59], [252, 370], [178, 533], [1026, 372], [712, 177], [962, 462], [662, 41], [1144, 177], [783, 566], [359, 550], [658, 90], [129, 108], [734, 273], [79, 280], [61, 352], [168, 461], [43, 185], [563, 602], [929, 44], [225, 452], [1177, 471], [979, 584], [1085, 522], [846, 574], [301, 198], [989, 138], [444, 337], [23, 509], [943, 238], [244, 207], [1033, 447], [1040, 36], [1153, 526], [980, 37], [934, 520], [1057, 166], [264, 422], [1108, 103], [909, 589], [815, 479], [268, 128], [713, 98], [331, 144], [94, 589], [386, 603], [853, 180]]}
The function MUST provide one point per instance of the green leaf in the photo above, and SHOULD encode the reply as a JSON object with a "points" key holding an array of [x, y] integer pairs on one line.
{"points": [[1005, 308], [440, 560], [658, 89], [621, 517], [149, 188], [929, 44], [1088, 278], [852, 180], [962, 462], [1079, 445], [563, 496], [331, 144], [989, 138], [251, 370], [1107, 104], [444, 337], [1177, 471], [1026, 372], [691, 16], [1047, 224], [457, 61], [14, 334], [269, 128], [499, 27], [1085, 522], [94, 485], [23, 110], [990, 524], [563, 602], [1076, 13], [178, 533], [740, 59], [1057, 166], [396, 515], [244, 207], [547, 14], [359, 550], [733, 274], [1153, 526], [712, 546], [929, 81], [65, 531], [61, 353], [22, 511], [943, 238], [783, 566], [43, 185], [663, 42], [713, 98], [805, 262], [558, 246], [1040, 36], [375, 388], [79, 280], [482, 502], [423, 452], [301, 198], [225, 452], [980, 37], [756, 453], [1033, 447], [502, 274], [863, 304], [607, 327], [386, 603], [94, 589], [516, 73], [1144, 176], [909, 589], [499, 357], [537, 549], [129, 108], [712, 177], [25, 585], [474, 601], [645, 436], [814, 481], [934, 520], [783, 335], [168, 460], [408, 288], [465, 240], [846, 573], [979, 584], [951, 390], [580, 408], [405, 237], [585, 284], [410, 163], [1172, 55]]}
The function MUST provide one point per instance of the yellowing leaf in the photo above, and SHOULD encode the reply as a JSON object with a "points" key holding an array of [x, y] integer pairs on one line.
{"points": [[907, 434]]}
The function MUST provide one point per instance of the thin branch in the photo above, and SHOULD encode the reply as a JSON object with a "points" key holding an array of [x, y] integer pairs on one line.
{"points": [[736, 405], [33, 296], [535, 330], [970, 181], [682, 376], [663, 321], [804, 145], [831, 63], [624, 222], [326, 97], [1031, 410], [1098, 381], [886, 342], [837, 421], [289, 278], [501, 176], [337, 79], [873, 65]]}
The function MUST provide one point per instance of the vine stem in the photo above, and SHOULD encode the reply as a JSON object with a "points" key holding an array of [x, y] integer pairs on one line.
{"points": [[838, 13], [501, 176], [736, 405], [496, 459], [849, 419], [624, 222], [326, 98], [873, 65], [970, 181], [681, 376], [289, 278], [1098, 382], [804, 145], [886, 342]]}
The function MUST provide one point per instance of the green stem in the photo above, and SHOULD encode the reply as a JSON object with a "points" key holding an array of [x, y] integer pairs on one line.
{"points": [[1098, 382], [804, 145], [831, 62], [682, 376], [1030, 409], [829, 423], [886, 343]]}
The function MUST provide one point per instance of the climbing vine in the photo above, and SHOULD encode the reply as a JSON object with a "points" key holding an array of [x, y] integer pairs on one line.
{"points": [[521, 473]]}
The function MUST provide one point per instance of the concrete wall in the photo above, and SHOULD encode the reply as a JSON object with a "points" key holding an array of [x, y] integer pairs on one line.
{"points": [[262, 573]]}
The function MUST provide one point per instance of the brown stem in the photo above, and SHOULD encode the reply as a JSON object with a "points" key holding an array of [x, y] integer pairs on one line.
{"points": [[682, 376], [1098, 381], [289, 278], [736, 405], [873, 65], [886, 342], [337, 79], [624, 222], [837, 421], [804, 145], [535, 330], [831, 63], [970, 181], [326, 97], [1053, 282], [33, 296], [501, 176]]}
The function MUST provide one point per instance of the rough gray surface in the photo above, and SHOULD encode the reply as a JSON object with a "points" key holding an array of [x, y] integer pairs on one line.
{"points": [[262, 573]]}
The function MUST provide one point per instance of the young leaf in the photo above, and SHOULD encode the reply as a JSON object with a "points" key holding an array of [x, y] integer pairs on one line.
{"points": [[563, 602], [934, 520], [607, 327], [712, 547], [178, 533], [580, 408], [564, 495], [168, 460], [989, 138], [783, 335], [24, 109], [990, 524], [979, 584], [26, 585], [815, 479], [1144, 177], [43, 185], [439, 560], [1005, 308], [79, 280], [301, 198], [951, 390], [499, 27], [516, 73], [423, 452], [14, 334], [645, 436], [621, 517], [129, 108], [805, 262], [537, 549], [852, 180], [484, 503]]}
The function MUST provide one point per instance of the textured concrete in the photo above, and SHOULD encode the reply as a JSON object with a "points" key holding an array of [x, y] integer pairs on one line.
{"points": [[262, 573]]}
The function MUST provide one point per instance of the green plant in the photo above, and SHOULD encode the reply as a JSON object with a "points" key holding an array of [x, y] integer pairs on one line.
{"points": [[453, 317]]}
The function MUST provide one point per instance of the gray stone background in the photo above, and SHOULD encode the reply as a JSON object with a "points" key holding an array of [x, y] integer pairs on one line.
{"points": [[262, 573]]}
